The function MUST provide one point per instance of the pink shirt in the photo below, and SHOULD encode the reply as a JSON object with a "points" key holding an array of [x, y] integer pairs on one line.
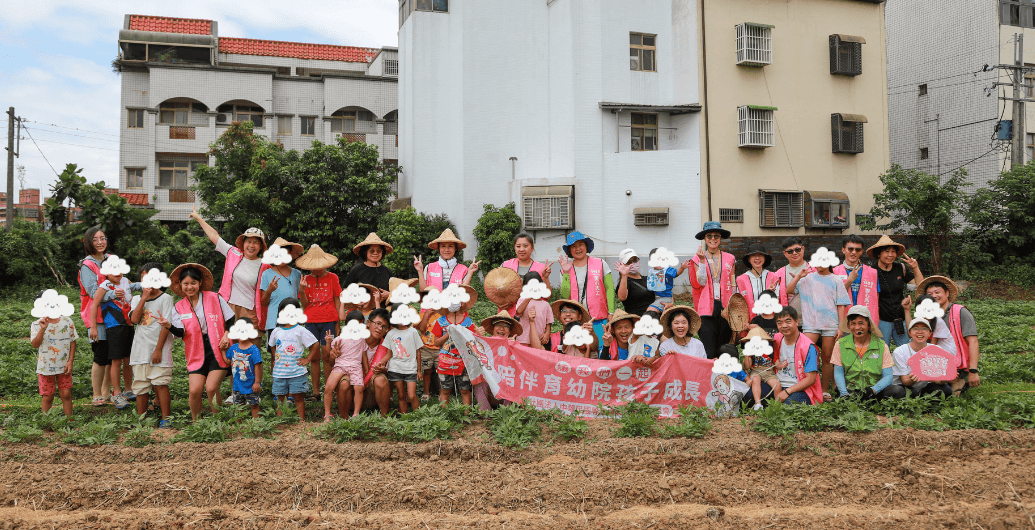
{"points": [[543, 319], [351, 352]]}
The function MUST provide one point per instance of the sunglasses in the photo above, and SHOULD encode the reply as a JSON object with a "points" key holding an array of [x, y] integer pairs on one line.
{"points": [[853, 250], [795, 250]]}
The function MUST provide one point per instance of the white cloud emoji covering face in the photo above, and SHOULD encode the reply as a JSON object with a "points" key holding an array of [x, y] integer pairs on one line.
{"points": [[52, 305], [291, 315], [276, 255]]}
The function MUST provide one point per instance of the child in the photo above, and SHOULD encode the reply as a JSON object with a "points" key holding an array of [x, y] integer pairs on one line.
{"points": [[428, 352], [289, 342], [824, 301], [451, 370], [567, 312], [920, 333], [154, 314], [350, 360], [54, 336], [116, 321], [758, 363], [585, 351], [246, 362], [660, 280], [765, 310], [534, 316], [616, 336], [404, 342]]}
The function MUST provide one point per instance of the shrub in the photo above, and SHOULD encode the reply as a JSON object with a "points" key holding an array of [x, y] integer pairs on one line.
{"points": [[495, 233], [409, 232]]}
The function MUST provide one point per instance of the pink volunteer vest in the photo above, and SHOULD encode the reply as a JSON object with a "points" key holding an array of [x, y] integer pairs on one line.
{"points": [[513, 265], [702, 294], [867, 288], [233, 259], [84, 298], [744, 287], [192, 336], [434, 278], [801, 350], [596, 298], [956, 330]]}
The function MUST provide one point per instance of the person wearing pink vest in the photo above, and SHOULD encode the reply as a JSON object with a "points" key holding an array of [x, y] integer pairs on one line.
{"points": [[756, 279], [204, 316], [241, 271], [712, 282], [95, 243], [447, 270], [860, 279], [794, 251], [962, 327], [523, 263], [587, 280], [796, 359]]}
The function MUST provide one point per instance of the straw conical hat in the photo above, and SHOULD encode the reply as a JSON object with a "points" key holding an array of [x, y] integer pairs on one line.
{"points": [[488, 323], [295, 249], [670, 313], [316, 258], [372, 239], [885, 241], [396, 282], [207, 280], [737, 312], [952, 290], [447, 237], [621, 314], [474, 298], [584, 315], [502, 286], [756, 332]]}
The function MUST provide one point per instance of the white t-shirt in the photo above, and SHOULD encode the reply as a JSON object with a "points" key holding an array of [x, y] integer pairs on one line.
{"points": [[246, 276], [901, 356], [788, 376], [52, 355], [945, 340], [145, 337], [694, 348], [404, 345]]}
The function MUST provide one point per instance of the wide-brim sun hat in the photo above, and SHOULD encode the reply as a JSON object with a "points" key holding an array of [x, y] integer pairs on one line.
{"points": [[671, 312], [447, 237], [575, 237], [584, 315], [756, 249], [316, 258], [396, 282], [470, 303], [207, 280], [294, 249], [757, 332], [619, 315], [713, 226], [251, 232], [502, 286], [515, 327], [737, 312], [885, 241], [952, 291], [862, 311], [372, 239]]}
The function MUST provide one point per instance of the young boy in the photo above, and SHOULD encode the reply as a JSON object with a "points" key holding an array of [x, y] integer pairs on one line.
{"points": [[824, 301], [919, 333], [153, 315], [54, 338], [428, 352], [404, 342], [451, 370], [320, 293], [289, 342], [246, 362], [660, 280], [116, 321]]}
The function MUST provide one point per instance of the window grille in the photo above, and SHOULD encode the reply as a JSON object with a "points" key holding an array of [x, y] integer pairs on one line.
{"points": [[548, 207], [391, 67], [181, 133], [756, 127], [846, 54], [731, 215], [846, 133], [650, 216], [180, 195], [354, 137], [779, 209], [754, 44]]}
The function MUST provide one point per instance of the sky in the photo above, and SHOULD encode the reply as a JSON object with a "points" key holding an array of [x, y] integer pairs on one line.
{"points": [[55, 66]]}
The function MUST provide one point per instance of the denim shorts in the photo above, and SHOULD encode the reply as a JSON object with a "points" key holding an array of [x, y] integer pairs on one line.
{"points": [[245, 399], [320, 329], [823, 332], [396, 376], [449, 382], [283, 386]]}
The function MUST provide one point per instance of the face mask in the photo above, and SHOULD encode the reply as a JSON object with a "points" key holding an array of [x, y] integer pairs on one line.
{"points": [[634, 268], [453, 308]]}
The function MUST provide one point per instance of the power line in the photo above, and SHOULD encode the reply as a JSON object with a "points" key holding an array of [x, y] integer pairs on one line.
{"points": [[77, 145], [70, 128], [41, 152], [996, 148], [79, 135]]}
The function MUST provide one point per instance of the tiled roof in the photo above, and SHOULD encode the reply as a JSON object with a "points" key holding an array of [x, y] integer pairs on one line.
{"points": [[170, 25], [135, 199], [298, 50]]}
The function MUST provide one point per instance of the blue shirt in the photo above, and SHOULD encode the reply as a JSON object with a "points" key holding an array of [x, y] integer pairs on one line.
{"points": [[661, 281], [243, 364], [286, 288]]}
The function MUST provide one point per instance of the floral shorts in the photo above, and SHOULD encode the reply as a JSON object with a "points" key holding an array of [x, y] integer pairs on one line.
{"points": [[64, 382]]}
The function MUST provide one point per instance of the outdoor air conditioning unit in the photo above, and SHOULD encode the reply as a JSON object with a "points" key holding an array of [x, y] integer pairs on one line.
{"points": [[636, 144], [222, 117], [548, 207], [634, 63]]}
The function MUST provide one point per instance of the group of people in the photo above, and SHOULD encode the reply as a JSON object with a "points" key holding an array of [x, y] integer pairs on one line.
{"points": [[830, 324]]}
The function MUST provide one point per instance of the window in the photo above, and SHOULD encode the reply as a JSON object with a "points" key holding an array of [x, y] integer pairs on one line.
{"points": [[177, 113], [1016, 13], [778, 209], [241, 113], [391, 67], [756, 126], [391, 126], [826, 209], [175, 173], [283, 125], [644, 132], [308, 126], [754, 44], [846, 133], [135, 119], [439, 6], [1029, 82], [1030, 146], [641, 52], [134, 178], [731, 215], [922, 89], [650, 216], [846, 54], [343, 121], [548, 207], [924, 153]]}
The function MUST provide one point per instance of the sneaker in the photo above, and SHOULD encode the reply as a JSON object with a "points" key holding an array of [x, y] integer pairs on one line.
{"points": [[99, 401], [120, 401], [229, 400], [424, 397], [758, 406], [129, 395], [165, 424]]}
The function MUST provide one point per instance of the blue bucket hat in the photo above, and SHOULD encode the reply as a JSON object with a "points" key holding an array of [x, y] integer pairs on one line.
{"points": [[575, 237], [713, 226]]}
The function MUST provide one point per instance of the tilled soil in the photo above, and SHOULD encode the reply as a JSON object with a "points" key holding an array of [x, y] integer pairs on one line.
{"points": [[732, 478]]}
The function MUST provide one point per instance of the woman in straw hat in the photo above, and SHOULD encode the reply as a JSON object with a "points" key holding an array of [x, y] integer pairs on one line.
{"points": [[892, 301], [370, 270], [863, 364], [241, 270], [204, 318], [278, 282], [756, 279], [962, 327], [447, 270], [523, 263], [713, 282], [566, 312], [319, 294], [680, 323]]}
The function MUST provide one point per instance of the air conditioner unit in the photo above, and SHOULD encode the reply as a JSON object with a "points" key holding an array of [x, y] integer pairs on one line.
{"points": [[548, 207], [636, 144], [634, 63], [222, 117]]}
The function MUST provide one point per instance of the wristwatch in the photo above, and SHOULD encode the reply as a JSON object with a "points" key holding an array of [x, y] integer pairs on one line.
{"points": [[973, 370]]}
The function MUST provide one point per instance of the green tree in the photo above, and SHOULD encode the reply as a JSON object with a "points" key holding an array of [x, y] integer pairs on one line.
{"points": [[913, 201], [410, 232], [495, 233], [1003, 214]]}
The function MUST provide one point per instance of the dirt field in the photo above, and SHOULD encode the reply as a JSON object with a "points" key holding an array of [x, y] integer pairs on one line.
{"points": [[733, 478]]}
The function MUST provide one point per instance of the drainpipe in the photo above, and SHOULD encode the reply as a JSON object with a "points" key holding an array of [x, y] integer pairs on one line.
{"points": [[704, 105], [513, 182]]}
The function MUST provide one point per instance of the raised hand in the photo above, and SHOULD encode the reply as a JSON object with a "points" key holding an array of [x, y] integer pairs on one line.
{"points": [[700, 252], [273, 284], [909, 261], [163, 322], [805, 271], [565, 264], [303, 284], [120, 294], [43, 323], [622, 269], [474, 266], [531, 314], [328, 337], [418, 263], [687, 263], [547, 269], [194, 213]]}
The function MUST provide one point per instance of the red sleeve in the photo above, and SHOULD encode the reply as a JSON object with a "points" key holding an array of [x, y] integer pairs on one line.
{"points": [[335, 285], [437, 330]]}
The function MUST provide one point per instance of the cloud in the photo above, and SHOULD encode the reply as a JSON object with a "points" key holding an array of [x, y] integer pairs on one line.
{"points": [[404, 315], [928, 309], [114, 265], [291, 315], [766, 304], [155, 279], [242, 330], [757, 347], [726, 365], [535, 290], [354, 330], [433, 301], [276, 255], [354, 294], [52, 305], [404, 294], [824, 258], [577, 336], [454, 295], [646, 326], [663, 258]]}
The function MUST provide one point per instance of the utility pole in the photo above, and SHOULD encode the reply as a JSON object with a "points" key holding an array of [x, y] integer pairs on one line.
{"points": [[11, 153], [1017, 158]]}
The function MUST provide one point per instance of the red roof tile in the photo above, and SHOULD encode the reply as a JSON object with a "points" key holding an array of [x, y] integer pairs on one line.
{"points": [[298, 50], [136, 199], [170, 25]]}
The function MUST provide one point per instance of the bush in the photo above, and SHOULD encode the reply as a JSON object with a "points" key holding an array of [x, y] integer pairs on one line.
{"points": [[25, 253], [495, 233], [409, 232]]}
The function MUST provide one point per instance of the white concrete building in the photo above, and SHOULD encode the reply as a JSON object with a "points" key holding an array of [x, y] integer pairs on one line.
{"points": [[183, 84], [585, 113]]}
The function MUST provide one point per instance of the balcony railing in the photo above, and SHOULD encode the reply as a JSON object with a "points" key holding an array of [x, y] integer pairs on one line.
{"points": [[181, 133]]}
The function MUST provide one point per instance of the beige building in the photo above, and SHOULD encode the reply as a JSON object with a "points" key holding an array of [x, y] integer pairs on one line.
{"points": [[795, 114]]}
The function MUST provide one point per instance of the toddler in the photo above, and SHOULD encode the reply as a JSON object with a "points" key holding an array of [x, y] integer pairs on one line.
{"points": [[246, 362], [289, 341], [349, 352], [54, 336]]}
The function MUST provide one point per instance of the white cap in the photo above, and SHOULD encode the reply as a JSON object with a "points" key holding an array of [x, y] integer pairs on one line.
{"points": [[626, 255], [916, 321]]}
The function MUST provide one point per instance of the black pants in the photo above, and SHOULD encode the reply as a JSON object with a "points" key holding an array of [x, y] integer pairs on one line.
{"points": [[891, 392], [100, 352], [715, 331], [930, 387]]}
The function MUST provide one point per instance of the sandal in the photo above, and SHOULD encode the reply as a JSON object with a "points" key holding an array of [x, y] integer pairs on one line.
{"points": [[99, 401], [328, 418]]}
